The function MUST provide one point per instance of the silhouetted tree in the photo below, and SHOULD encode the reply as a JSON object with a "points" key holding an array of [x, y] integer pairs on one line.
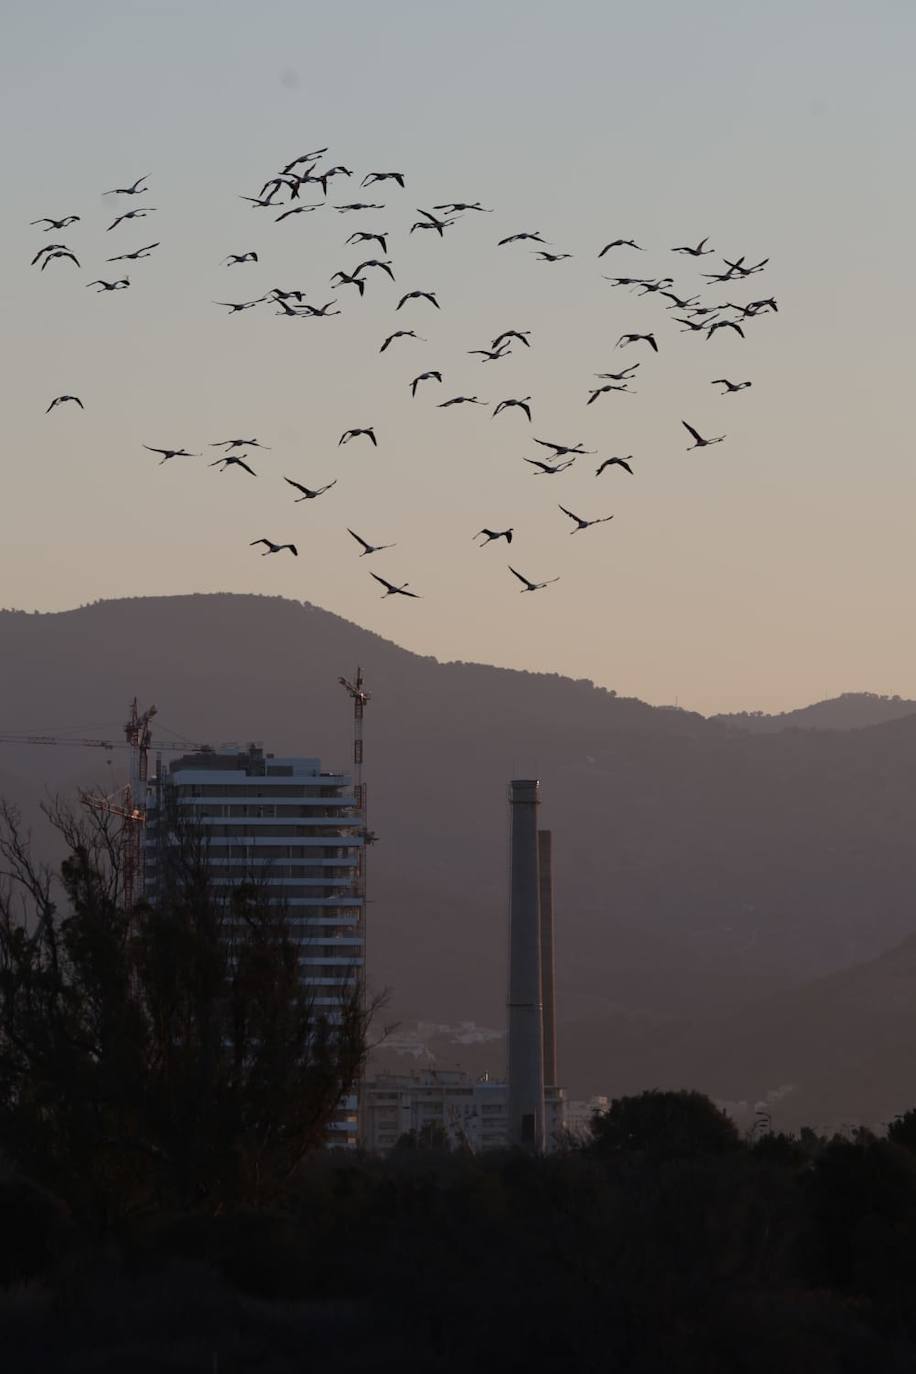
{"points": [[171, 1058], [664, 1125]]}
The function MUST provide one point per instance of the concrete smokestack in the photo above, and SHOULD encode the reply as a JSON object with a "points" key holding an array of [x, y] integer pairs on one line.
{"points": [[526, 1036], [548, 964]]}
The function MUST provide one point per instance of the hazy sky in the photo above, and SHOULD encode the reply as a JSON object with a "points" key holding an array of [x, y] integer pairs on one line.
{"points": [[766, 571]]}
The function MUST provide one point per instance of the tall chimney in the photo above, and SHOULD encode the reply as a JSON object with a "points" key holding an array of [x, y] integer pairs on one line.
{"points": [[526, 1041], [548, 965]]}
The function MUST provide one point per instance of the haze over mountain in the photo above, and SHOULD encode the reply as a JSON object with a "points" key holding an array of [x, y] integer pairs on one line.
{"points": [[849, 711], [700, 869]]}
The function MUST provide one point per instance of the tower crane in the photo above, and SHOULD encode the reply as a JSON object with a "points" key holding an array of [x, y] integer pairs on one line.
{"points": [[129, 802]]}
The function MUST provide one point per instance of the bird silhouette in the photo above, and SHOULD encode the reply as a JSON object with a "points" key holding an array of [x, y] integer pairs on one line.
{"points": [[561, 450], [297, 210], [346, 279], [356, 205], [392, 590], [239, 443], [431, 376], [700, 251], [168, 453], [349, 434], [136, 255], [455, 207], [584, 524], [636, 338], [230, 460], [120, 285], [623, 376], [56, 223], [400, 334], [524, 403], [615, 463], [131, 214], [374, 262], [608, 386], [491, 355], [522, 335], [417, 296], [136, 189], [363, 237], [723, 324], [235, 307], [549, 469], [700, 441], [529, 585], [318, 311], [59, 400], [367, 547], [309, 493], [690, 326], [462, 400], [59, 253], [431, 222], [306, 157], [522, 238], [233, 258], [550, 257], [490, 535], [677, 302], [729, 386], [48, 248], [371, 177], [274, 548], [620, 243]]}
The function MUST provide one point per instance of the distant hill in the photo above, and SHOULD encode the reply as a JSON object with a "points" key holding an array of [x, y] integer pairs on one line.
{"points": [[698, 867], [850, 711]]}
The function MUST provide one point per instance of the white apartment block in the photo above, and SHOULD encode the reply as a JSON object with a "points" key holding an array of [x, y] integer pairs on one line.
{"points": [[473, 1112], [299, 833]]}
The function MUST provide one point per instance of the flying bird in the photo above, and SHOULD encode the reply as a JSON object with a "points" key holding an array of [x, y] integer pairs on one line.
{"points": [[490, 535], [349, 434], [229, 460], [455, 207], [274, 548], [59, 253], [608, 386], [723, 324], [134, 190], [431, 222], [392, 590], [523, 404], [367, 547], [636, 338], [522, 238], [549, 469], [616, 462], [584, 524], [550, 257], [59, 400], [374, 262], [691, 326], [729, 386], [357, 205], [168, 453], [136, 255], [306, 157], [297, 210], [742, 271], [56, 223], [491, 355], [120, 285], [461, 400], [561, 450], [521, 334], [678, 303], [419, 295], [700, 441], [363, 237], [620, 243], [49, 248], [321, 311], [309, 493], [239, 443], [623, 376], [233, 258], [262, 202], [400, 334], [131, 214], [529, 585], [234, 307], [371, 177], [345, 279], [700, 251], [279, 295], [432, 376]]}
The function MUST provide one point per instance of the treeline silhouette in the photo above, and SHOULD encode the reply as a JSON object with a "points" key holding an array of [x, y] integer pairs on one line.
{"points": [[166, 1202]]}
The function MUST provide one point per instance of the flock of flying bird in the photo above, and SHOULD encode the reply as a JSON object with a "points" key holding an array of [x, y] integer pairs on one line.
{"points": [[305, 171]]}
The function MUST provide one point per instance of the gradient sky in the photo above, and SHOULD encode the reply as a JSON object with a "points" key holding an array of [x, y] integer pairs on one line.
{"points": [[770, 570]]}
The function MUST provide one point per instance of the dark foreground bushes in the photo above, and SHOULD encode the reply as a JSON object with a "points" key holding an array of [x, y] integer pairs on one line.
{"points": [[733, 1261]]}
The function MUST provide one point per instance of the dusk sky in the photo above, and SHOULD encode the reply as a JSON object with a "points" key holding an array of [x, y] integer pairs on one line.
{"points": [[764, 572]]}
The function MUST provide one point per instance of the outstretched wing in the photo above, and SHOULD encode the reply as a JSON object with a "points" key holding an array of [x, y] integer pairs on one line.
{"points": [[366, 546], [578, 519], [384, 583], [690, 430], [519, 576], [297, 485]]}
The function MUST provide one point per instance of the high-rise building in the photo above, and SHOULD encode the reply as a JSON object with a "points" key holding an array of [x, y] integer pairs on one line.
{"points": [[299, 833]]}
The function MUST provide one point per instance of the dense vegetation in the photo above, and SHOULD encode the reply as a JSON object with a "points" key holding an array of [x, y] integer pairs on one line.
{"points": [[165, 1203]]}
